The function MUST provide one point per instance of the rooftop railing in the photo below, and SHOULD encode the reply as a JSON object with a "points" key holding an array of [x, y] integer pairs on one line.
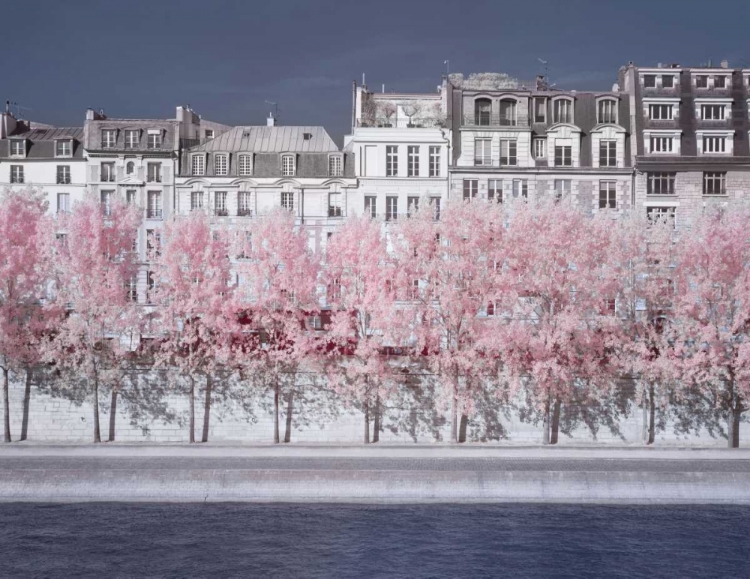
{"points": [[482, 119]]}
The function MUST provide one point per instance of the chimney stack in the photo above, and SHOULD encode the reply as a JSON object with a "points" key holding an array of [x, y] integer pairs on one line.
{"points": [[724, 64], [271, 120]]}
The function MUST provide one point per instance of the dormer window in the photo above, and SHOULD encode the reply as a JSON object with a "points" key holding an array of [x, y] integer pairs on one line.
{"points": [[132, 138], [221, 165], [109, 138], [482, 109], [154, 139], [563, 111], [245, 165], [335, 166], [209, 134], [667, 81], [607, 111], [701, 81], [649, 81], [198, 165], [720, 82], [64, 148], [17, 148], [288, 168], [508, 112]]}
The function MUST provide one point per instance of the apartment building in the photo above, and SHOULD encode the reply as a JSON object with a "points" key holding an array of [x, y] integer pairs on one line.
{"points": [[250, 170], [516, 139], [401, 147], [49, 159], [691, 127]]}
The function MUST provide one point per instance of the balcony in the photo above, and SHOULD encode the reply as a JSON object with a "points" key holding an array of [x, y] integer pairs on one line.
{"points": [[154, 214], [153, 178], [221, 212], [242, 212], [334, 212], [482, 119], [403, 122]]}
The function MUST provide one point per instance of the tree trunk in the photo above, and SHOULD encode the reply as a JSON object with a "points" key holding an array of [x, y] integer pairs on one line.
{"points": [[733, 426], [545, 424], [192, 408], [26, 405], [289, 409], [376, 422], [555, 426], [112, 415], [651, 415], [207, 409], [367, 423], [6, 407], [462, 428], [454, 414], [97, 427], [276, 413]]}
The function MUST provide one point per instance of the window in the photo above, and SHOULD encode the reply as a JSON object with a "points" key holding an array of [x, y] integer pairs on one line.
{"points": [[540, 110], [107, 171], [720, 81], [244, 204], [563, 111], [287, 200], [608, 153], [508, 112], [154, 173], [196, 200], [154, 139], [660, 112], [412, 166], [434, 161], [540, 148], [63, 174], [287, 165], [209, 134], [131, 196], [221, 165], [701, 81], [660, 183], [220, 204], [607, 111], [665, 214], [661, 144], [17, 148], [154, 205], [508, 152], [495, 190], [132, 139], [63, 202], [471, 186], [130, 168], [63, 148], [649, 81], [436, 208], [371, 206], [153, 243], [198, 165], [334, 290], [109, 136], [391, 208], [667, 81], [521, 188], [482, 152], [490, 309], [335, 166], [414, 293], [482, 109], [106, 202], [391, 161], [607, 195], [562, 188], [246, 165], [714, 183], [16, 173], [132, 289], [714, 145], [563, 156], [151, 286], [412, 205], [712, 112], [334, 204]]}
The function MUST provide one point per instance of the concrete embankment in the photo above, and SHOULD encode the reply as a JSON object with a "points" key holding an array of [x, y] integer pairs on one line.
{"points": [[406, 474]]}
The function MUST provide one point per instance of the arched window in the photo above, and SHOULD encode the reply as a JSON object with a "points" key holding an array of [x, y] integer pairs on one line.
{"points": [[563, 111], [482, 109], [130, 168], [508, 112], [606, 111]]}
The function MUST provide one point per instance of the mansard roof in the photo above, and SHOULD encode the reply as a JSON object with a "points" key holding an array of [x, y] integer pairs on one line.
{"points": [[270, 140]]}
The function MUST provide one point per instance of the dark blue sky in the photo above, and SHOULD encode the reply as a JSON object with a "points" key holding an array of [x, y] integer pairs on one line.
{"points": [[226, 57]]}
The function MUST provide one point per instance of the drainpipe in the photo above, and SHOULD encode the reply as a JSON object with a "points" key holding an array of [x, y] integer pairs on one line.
{"points": [[448, 164]]}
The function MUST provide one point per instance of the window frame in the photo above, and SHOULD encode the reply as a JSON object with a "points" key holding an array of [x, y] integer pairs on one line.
{"points": [[221, 164], [536, 144], [391, 208], [201, 158], [412, 161], [495, 190], [371, 205], [336, 165], [63, 207], [287, 200], [556, 113], [663, 178], [157, 138], [106, 142], [335, 204], [154, 207], [197, 200], [103, 177], [129, 143], [221, 207], [601, 113], [244, 165], [543, 117], [470, 189], [391, 160], [511, 159], [153, 176], [607, 194], [64, 178], [63, 155], [608, 152], [434, 164], [562, 156], [288, 165], [485, 159], [710, 180], [244, 203], [14, 143]]}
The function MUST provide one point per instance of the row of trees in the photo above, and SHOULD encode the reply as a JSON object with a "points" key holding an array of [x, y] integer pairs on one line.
{"points": [[537, 300]]}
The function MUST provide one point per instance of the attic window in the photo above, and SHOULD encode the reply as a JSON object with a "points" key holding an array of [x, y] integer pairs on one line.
{"points": [[307, 136], [246, 134], [17, 148]]}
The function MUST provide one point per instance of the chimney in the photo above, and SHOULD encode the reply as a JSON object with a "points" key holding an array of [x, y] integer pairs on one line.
{"points": [[270, 121], [724, 64]]}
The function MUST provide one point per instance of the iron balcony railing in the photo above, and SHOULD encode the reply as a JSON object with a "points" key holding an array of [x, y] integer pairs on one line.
{"points": [[484, 119], [403, 122]]}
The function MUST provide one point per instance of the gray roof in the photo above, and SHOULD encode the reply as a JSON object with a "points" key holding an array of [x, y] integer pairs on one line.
{"points": [[271, 140], [40, 143], [51, 134]]}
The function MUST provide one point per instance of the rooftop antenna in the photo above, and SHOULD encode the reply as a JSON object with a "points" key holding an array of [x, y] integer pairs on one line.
{"points": [[545, 64], [447, 64], [363, 79], [19, 108], [275, 107]]}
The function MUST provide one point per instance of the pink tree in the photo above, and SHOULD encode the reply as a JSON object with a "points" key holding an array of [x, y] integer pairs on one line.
{"points": [[194, 302], [560, 286], [22, 285], [711, 325], [446, 272], [94, 263], [278, 278], [357, 269]]}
